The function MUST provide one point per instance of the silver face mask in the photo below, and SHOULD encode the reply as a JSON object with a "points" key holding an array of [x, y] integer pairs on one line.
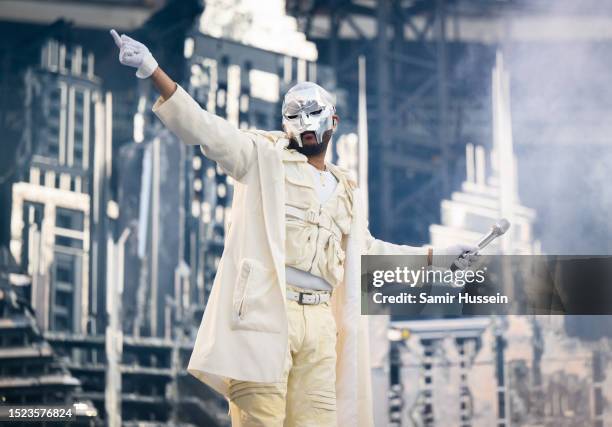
{"points": [[308, 107]]}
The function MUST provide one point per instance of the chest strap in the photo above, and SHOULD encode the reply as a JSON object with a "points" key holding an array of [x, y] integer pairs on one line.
{"points": [[313, 216]]}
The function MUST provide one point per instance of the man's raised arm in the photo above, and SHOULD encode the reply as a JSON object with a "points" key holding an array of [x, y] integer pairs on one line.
{"points": [[218, 139]]}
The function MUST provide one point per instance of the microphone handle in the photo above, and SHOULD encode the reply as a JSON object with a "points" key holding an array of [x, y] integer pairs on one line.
{"points": [[454, 267], [492, 235], [486, 240], [483, 242]]}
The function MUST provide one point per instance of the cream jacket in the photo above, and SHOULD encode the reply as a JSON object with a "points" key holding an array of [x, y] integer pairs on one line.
{"points": [[243, 334]]}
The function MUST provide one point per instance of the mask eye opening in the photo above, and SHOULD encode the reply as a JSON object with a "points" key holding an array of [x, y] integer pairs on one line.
{"points": [[317, 112], [291, 117]]}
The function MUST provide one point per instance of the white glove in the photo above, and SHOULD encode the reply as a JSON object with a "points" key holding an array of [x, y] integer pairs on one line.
{"points": [[444, 257], [134, 54]]}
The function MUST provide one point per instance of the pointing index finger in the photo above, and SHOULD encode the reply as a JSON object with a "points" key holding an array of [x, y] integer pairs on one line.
{"points": [[116, 38]]}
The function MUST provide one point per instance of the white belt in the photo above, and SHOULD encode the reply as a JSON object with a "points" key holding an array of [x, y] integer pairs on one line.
{"points": [[308, 297]]}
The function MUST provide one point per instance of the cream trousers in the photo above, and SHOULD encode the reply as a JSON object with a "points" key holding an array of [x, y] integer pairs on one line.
{"points": [[306, 397]]}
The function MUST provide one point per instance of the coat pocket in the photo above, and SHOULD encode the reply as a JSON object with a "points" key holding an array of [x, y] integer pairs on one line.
{"points": [[255, 298]]}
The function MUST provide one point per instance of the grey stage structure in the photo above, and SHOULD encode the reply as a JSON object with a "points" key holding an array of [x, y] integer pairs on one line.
{"points": [[413, 133], [428, 65], [63, 214]]}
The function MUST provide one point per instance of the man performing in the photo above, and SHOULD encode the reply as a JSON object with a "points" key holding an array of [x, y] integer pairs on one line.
{"points": [[282, 337]]}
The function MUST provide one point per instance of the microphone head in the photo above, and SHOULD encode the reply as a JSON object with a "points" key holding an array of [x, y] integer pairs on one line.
{"points": [[501, 226]]}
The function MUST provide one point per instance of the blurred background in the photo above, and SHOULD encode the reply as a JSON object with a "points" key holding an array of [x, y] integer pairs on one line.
{"points": [[453, 113]]}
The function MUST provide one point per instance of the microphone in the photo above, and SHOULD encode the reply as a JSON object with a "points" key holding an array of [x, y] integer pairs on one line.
{"points": [[497, 230]]}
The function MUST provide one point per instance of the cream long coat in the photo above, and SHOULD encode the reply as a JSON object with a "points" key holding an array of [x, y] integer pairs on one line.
{"points": [[243, 334]]}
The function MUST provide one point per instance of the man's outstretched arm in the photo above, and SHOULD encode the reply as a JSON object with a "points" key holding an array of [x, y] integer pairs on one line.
{"points": [[218, 139], [441, 257]]}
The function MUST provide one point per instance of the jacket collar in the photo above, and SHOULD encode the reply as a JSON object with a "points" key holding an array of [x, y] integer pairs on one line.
{"points": [[335, 172], [292, 155], [282, 142]]}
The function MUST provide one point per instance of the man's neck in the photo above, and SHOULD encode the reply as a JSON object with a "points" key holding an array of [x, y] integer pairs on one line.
{"points": [[318, 161]]}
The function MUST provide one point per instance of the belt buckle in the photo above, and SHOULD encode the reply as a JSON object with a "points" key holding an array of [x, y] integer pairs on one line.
{"points": [[301, 299]]}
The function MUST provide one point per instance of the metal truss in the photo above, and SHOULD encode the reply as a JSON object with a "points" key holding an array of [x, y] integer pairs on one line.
{"points": [[405, 45], [418, 112]]}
